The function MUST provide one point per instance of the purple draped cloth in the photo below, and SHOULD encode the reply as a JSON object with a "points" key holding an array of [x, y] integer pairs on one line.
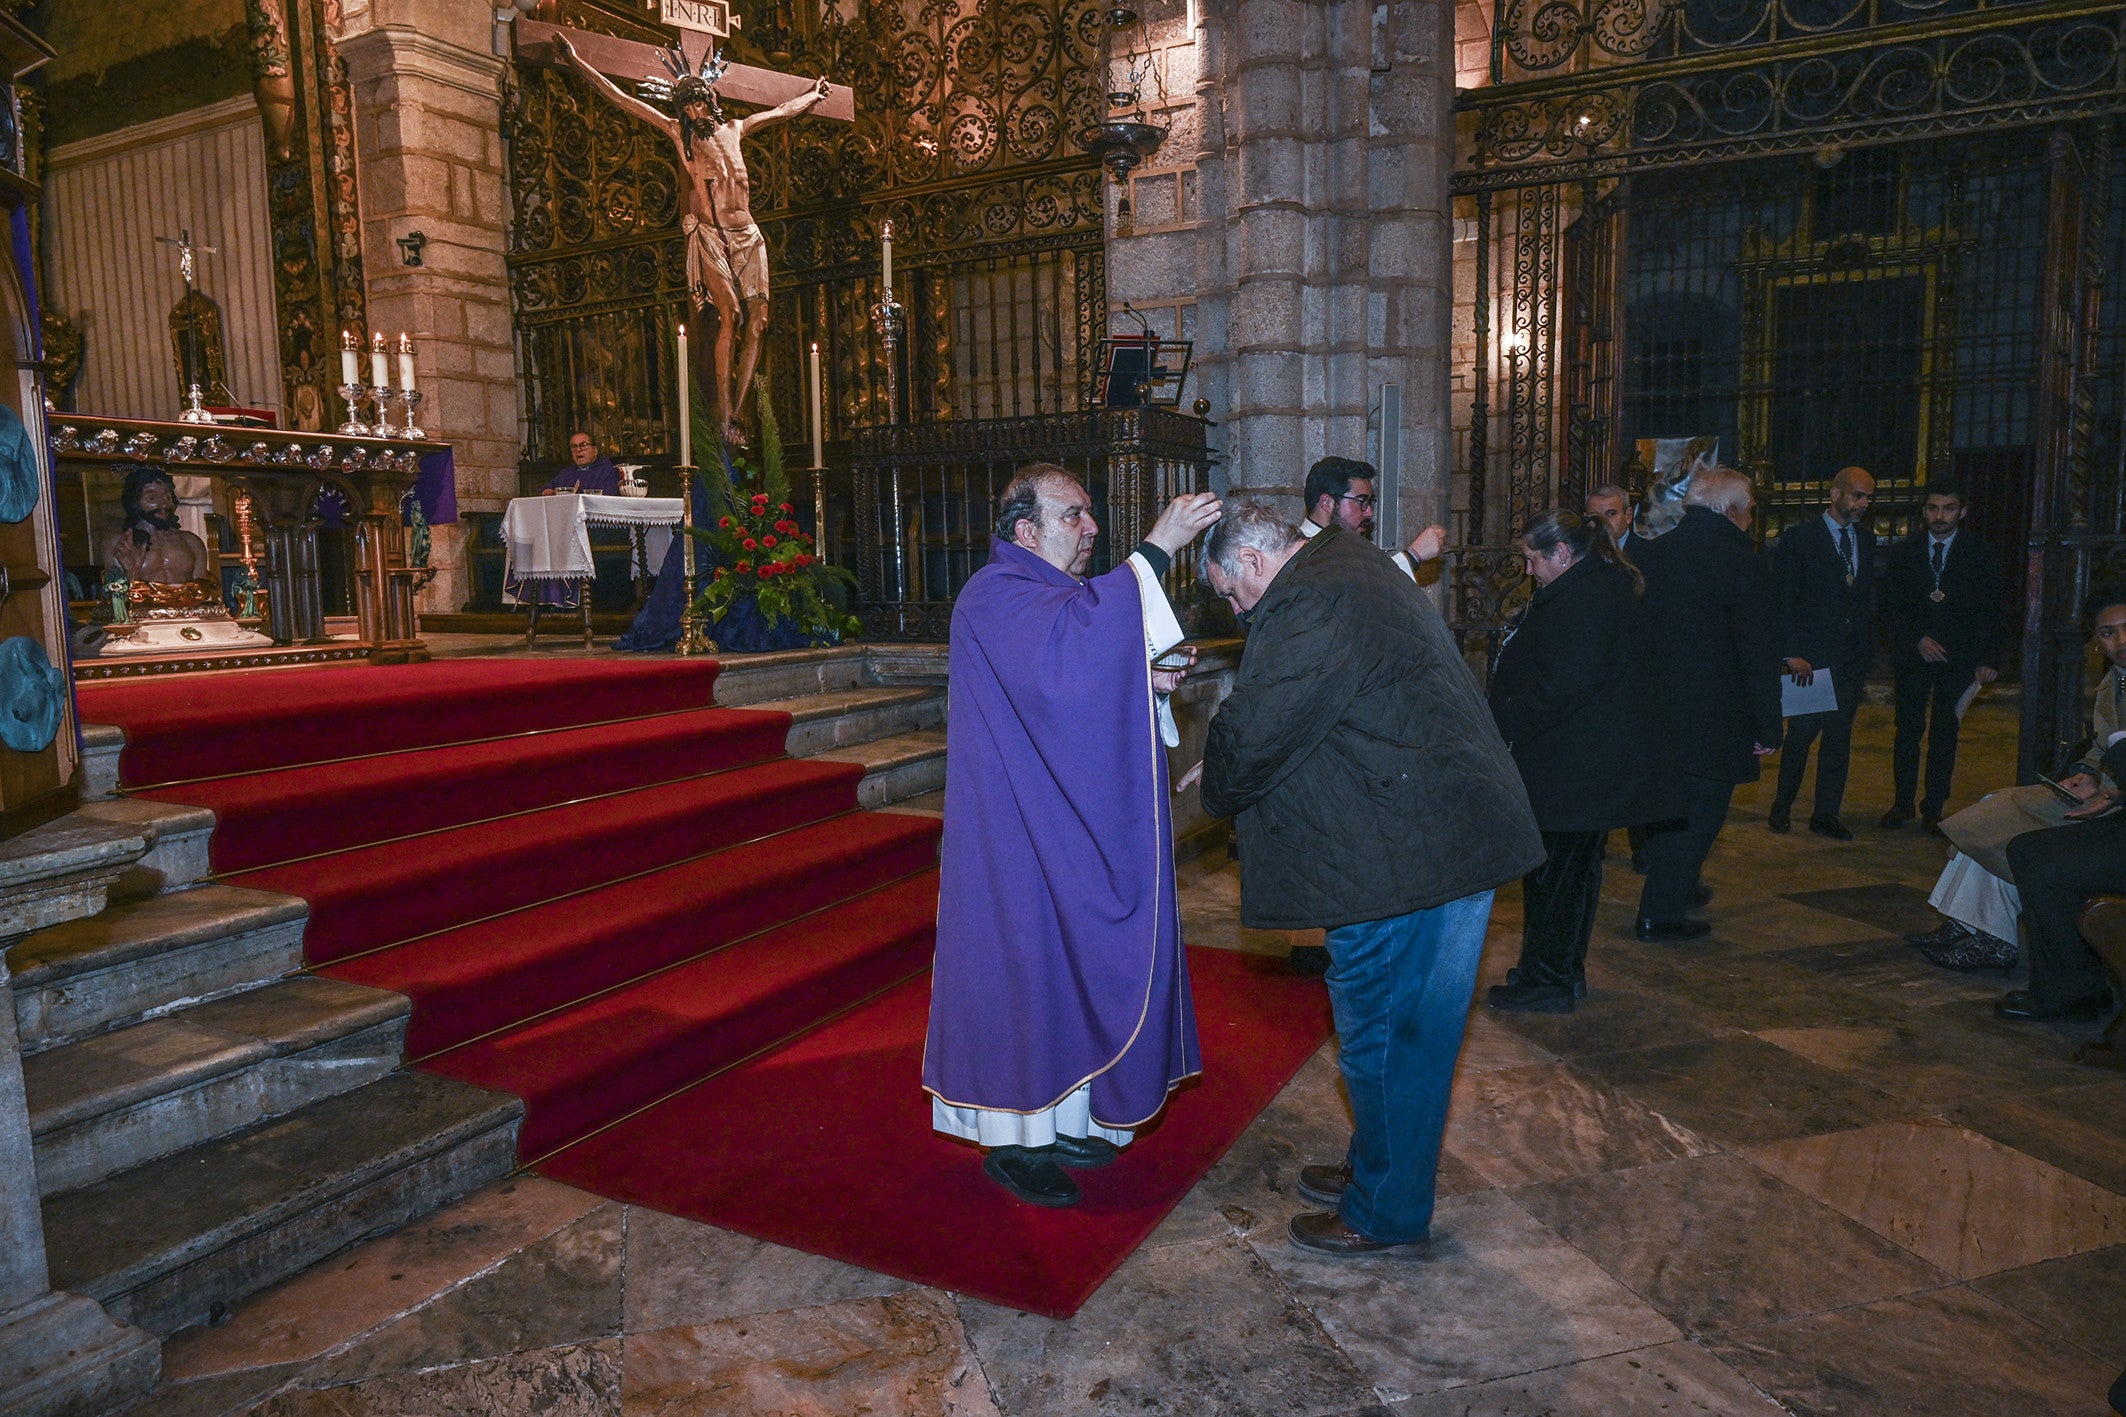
{"points": [[1059, 943]]}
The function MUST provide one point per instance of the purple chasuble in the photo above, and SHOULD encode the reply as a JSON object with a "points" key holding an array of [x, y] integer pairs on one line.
{"points": [[1059, 943], [600, 477]]}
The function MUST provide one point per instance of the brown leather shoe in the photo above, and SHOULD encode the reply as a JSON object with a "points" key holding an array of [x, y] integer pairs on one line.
{"points": [[1326, 1234], [1325, 1185]]}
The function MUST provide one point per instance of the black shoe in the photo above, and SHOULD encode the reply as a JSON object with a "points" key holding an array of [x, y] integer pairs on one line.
{"points": [[1951, 933], [1651, 930], [1325, 1185], [1701, 895], [1932, 827], [1976, 950], [2022, 1005], [1311, 960], [1530, 998], [1031, 1174], [1084, 1153], [1896, 817], [1579, 985], [1779, 820], [1830, 827], [1326, 1234]]}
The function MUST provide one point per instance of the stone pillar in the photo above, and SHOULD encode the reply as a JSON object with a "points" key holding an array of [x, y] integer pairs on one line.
{"points": [[59, 1353], [428, 141], [1323, 266]]}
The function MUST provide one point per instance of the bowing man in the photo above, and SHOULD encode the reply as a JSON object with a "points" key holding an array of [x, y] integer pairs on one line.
{"points": [[1060, 1014]]}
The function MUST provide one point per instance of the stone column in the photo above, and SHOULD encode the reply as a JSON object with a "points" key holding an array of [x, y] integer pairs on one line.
{"points": [[1323, 258], [59, 1353], [428, 140]]}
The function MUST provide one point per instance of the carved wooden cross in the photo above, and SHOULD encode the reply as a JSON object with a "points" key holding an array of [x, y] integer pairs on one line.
{"points": [[629, 61]]}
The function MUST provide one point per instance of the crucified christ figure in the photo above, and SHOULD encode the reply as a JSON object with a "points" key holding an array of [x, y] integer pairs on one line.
{"points": [[727, 262]]}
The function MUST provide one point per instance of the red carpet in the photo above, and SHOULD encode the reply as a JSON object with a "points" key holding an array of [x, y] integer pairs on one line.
{"points": [[825, 1145]]}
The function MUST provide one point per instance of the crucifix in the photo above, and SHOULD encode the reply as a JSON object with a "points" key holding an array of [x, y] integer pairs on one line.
{"points": [[195, 324], [726, 259], [186, 252]]}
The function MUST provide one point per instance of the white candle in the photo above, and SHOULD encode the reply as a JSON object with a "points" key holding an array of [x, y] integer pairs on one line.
{"points": [[405, 362], [885, 246], [379, 366], [350, 367], [686, 408], [819, 457]]}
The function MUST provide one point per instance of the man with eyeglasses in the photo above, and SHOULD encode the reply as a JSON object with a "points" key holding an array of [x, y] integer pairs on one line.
{"points": [[588, 470], [1340, 494]]}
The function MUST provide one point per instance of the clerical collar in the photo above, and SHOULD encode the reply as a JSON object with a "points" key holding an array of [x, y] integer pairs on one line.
{"points": [[1307, 528]]}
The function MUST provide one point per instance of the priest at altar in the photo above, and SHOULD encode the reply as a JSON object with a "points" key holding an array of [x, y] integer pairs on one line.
{"points": [[587, 469], [1060, 1014]]}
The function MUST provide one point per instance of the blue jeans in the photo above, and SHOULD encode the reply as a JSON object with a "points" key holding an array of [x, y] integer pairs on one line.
{"points": [[1401, 988]]}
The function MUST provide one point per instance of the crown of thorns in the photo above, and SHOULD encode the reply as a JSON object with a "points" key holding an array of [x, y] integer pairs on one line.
{"points": [[685, 85]]}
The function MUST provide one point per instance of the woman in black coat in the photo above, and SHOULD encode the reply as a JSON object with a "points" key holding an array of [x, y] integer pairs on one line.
{"points": [[1570, 695]]}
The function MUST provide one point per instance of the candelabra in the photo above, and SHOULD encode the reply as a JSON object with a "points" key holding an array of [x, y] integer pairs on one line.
{"points": [[412, 399], [195, 410], [353, 394]]}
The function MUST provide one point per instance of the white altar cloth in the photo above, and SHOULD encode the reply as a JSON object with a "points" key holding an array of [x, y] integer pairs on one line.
{"points": [[549, 538]]}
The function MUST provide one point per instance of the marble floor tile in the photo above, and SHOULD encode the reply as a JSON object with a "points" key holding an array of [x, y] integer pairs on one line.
{"points": [[1761, 924], [1738, 1090], [1669, 1380], [1931, 1061], [1716, 1243], [683, 1272], [903, 1355], [581, 1380], [1497, 1294], [1201, 1330], [2081, 1298], [218, 1395], [1520, 1125], [1607, 1020], [353, 1293], [562, 1290], [1945, 1353], [1489, 1045], [1893, 967], [1891, 908], [1949, 1195], [2080, 1129]]}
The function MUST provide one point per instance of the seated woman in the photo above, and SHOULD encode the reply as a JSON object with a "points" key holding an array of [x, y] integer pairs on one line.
{"points": [[1977, 890], [1571, 700]]}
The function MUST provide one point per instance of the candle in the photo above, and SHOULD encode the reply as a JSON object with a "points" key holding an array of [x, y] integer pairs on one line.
{"points": [[686, 407], [405, 362], [350, 367], [819, 457], [885, 246], [379, 367]]}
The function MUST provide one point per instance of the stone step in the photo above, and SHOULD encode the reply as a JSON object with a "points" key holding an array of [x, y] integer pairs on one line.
{"points": [[846, 717], [123, 1098], [177, 843], [178, 1241], [744, 680], [897, 768], [148, 956], [101, 743]]}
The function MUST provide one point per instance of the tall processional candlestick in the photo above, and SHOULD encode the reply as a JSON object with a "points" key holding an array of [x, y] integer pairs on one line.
{"points": [[691, 639], [887, 322]]}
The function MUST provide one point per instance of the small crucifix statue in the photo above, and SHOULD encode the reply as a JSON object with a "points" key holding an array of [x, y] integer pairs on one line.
{"points": [[186, 252], [726, 259]]}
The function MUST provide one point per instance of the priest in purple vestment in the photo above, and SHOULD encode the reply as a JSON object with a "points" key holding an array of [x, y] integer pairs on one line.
{"points": [[588, 470], [1060, 1015]]}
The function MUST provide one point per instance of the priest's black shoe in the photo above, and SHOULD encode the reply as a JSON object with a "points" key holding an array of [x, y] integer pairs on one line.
{"points": [[2022, 1005], [1326, 1234], [1779, 820], [1084, 1153], [1325, 1185], [1896, 817], [1031, 1174], [1579, 985], [1653, 930], [1530, 998], [1308, 959], [1830, 827]]}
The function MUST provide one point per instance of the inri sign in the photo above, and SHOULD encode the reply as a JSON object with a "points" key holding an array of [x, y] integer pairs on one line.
{"points": [[705, 16]]}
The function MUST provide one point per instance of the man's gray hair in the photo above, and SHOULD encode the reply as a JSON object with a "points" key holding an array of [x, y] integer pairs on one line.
{"points": [[1609, 489], [1720, 489], [1021, 498], [1249, 523]]}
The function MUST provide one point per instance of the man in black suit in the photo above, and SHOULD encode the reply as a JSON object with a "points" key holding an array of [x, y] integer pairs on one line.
{"points": [[2055, 869], [1715, 672], [1825, 570], [1942, 600]]}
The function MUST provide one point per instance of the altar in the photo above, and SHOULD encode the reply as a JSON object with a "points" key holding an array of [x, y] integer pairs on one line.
{"points": [[547, 541]]}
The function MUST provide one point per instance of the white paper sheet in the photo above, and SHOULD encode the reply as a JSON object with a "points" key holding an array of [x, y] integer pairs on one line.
{"points": [[1819, 696]]}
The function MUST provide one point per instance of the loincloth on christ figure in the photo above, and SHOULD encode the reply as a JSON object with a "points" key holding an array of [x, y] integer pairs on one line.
{"points": [[738, 254]]}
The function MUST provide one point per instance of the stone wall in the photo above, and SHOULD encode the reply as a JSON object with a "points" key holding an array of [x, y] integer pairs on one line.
{"points": [[428, 125]]}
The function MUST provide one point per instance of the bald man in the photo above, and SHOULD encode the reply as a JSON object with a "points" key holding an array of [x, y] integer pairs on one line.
{"points": [[1825, 571]]}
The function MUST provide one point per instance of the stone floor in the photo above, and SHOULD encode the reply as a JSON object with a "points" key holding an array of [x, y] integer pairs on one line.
{"points": [[1789, 1169]]}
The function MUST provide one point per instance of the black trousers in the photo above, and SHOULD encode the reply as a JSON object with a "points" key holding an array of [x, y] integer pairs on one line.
{"points": [[1833, 758], [1558, 900], [1675, 854], [1926, 705], [2054, 869]]}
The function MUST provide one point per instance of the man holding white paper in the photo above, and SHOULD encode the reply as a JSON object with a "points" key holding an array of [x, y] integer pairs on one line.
{"points": [[1825, 570]]}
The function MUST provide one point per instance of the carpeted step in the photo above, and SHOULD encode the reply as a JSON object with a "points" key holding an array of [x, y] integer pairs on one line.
{"points": [[379, 895], [475, 980], [269, 817], [585, 1067], [203, 725]]}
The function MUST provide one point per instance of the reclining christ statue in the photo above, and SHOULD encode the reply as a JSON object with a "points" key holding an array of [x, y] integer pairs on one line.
{"points": [[727, 262]]}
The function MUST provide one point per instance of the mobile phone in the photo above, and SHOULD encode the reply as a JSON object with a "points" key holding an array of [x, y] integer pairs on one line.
{"points": [[2060, 792], [1175, 658]]}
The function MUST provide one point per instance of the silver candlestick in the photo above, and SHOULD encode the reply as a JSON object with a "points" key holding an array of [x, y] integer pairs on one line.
{"points": [[412, 400], [380, 400], [195, 410], [353, 394], [888, 321]]}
